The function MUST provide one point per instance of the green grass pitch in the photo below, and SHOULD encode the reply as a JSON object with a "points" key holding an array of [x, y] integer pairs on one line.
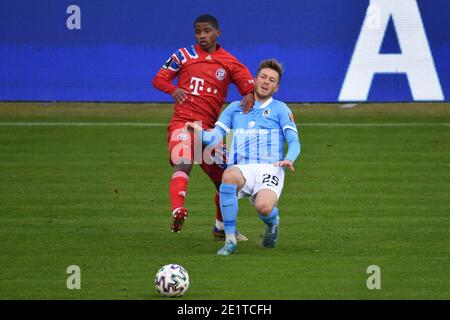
{"points": [[372, 187]]}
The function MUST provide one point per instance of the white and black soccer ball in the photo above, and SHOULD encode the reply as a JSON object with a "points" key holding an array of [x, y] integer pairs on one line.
{"points": [[172, 280]]}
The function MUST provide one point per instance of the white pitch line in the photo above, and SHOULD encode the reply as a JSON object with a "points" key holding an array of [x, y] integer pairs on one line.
{"points": [[348, 105], [149, 124]]}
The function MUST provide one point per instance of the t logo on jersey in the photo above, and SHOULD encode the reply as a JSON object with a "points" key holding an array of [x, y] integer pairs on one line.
{"points": [[196, 85], [266, 113]]}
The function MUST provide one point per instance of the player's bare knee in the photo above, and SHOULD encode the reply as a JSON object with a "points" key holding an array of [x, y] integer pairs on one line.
{"points": [[230, 176], [263, 208]]}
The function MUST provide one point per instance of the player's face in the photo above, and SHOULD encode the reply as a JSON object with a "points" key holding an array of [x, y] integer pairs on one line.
{"points": [[266, 83], [206, 36]]}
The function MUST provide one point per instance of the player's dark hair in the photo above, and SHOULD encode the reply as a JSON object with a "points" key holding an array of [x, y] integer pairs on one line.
{"points": [[271, 64], [208, 19]]}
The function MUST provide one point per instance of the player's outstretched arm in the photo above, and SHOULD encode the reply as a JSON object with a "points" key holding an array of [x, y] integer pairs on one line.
{"points": [[247, 102], [293, 150], [243, 79], [213, 137]]}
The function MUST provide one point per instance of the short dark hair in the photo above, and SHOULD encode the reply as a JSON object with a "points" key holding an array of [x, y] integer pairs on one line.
{"points": [[209, 19], [273, 64]]}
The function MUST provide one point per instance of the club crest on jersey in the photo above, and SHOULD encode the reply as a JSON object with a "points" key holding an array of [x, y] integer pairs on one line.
{"points": [[221, 74], [266, 113]]}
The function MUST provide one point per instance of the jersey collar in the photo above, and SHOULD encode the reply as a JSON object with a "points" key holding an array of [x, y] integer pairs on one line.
{"points": [[259, 105], [199, 49]]}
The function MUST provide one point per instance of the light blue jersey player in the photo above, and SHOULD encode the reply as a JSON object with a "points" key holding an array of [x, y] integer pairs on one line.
{"points": [[258, 136], [256, 157]]}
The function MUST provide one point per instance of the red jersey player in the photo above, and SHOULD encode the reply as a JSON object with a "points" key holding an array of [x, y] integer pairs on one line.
{"points": [[204, 72]]}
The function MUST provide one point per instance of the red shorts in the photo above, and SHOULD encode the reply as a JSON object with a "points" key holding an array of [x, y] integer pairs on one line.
{"points": [[185, 148]]}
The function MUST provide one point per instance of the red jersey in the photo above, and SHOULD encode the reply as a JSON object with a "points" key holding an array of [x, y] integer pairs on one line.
{"points": [[206, 77]]}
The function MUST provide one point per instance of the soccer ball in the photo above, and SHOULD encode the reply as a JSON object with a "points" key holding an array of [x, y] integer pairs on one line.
{"points": [[172, 280]]}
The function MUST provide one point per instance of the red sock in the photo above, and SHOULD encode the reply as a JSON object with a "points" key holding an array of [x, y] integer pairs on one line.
{"points": [[218, 212], [178, 187]]}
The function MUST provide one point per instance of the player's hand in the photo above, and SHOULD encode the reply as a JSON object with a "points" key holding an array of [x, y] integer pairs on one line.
{"points": [[179, 95], [247, 102], [285, 163], [192, 126]]}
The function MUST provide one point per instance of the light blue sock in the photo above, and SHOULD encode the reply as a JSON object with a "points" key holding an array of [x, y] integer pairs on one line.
{"points": [[271, 218], [229, 207]]}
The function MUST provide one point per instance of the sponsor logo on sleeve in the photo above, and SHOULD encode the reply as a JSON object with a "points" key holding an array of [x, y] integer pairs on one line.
{"points": [[167, 64], [291, 117]]}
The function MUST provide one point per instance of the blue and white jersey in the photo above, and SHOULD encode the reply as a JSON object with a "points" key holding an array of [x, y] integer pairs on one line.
{"points": [[258, 136]]}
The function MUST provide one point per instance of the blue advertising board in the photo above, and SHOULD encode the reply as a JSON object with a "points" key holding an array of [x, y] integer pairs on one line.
{"points": [[332, 50]]}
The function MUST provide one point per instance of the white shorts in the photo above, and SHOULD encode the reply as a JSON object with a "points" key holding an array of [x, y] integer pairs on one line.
{"points": [[260, 176]]}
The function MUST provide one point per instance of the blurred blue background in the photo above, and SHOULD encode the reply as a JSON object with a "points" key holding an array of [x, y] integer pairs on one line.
{"points": [[122, 44]]}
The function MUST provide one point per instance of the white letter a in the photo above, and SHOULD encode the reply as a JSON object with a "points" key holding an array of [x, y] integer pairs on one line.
{"points": [[74, 280], [74, 20], [415, 60]]}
